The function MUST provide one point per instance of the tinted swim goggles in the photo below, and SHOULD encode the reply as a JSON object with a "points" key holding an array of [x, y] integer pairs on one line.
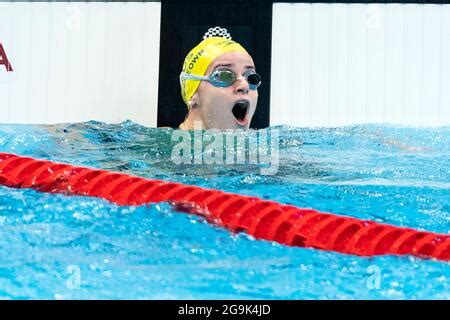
{"points": [[224, 78]]}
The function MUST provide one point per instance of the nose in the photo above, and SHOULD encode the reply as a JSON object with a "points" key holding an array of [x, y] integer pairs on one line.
{"points": [[241, 85]]}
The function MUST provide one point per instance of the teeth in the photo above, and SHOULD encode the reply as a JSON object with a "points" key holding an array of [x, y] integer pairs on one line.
{"points": [[244, 102]]}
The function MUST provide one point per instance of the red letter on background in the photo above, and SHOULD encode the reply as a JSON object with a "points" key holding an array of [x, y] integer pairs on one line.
{"points": [[4, 59]]}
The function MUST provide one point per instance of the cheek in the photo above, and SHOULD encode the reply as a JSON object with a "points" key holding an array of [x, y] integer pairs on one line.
{"points": [[213, 99], [213, 107], [256, 96], [254, 99]]}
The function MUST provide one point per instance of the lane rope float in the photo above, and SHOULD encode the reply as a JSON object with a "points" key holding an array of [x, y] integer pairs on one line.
{"points": [[263, 219]]}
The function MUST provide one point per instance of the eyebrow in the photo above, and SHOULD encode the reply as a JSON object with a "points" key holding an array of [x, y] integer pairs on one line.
{"points": [[232, 65]]}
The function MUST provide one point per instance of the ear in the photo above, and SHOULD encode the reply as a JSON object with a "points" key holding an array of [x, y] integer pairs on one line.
{"points": [[194, 101]]}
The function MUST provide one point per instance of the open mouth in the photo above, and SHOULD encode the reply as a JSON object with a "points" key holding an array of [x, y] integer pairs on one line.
{"points": [[240, 110]]}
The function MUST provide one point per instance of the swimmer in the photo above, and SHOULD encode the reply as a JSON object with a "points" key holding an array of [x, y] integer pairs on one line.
{"points": [[219, 84]]}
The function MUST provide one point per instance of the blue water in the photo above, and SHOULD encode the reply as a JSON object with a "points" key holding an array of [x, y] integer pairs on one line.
{"points": [[61, 247]]}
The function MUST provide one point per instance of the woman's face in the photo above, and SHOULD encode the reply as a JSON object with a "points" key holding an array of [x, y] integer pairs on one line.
{"points": [[231, 107]]}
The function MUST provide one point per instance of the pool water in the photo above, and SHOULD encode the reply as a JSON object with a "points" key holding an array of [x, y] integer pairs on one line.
{"points": [[64, 247]]}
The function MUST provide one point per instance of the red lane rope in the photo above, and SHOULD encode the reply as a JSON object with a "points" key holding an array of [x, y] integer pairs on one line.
{"points": [[262, 219]]}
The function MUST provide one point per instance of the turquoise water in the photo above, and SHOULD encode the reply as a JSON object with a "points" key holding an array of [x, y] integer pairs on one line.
{"points": [[61, 247]]}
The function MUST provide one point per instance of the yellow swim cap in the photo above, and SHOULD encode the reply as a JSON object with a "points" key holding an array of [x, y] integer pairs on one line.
{"points": [[199, 58]]}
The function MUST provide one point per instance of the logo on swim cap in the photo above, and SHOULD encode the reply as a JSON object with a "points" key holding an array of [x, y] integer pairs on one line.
{"points": [[217, 32], [191, 60]]}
